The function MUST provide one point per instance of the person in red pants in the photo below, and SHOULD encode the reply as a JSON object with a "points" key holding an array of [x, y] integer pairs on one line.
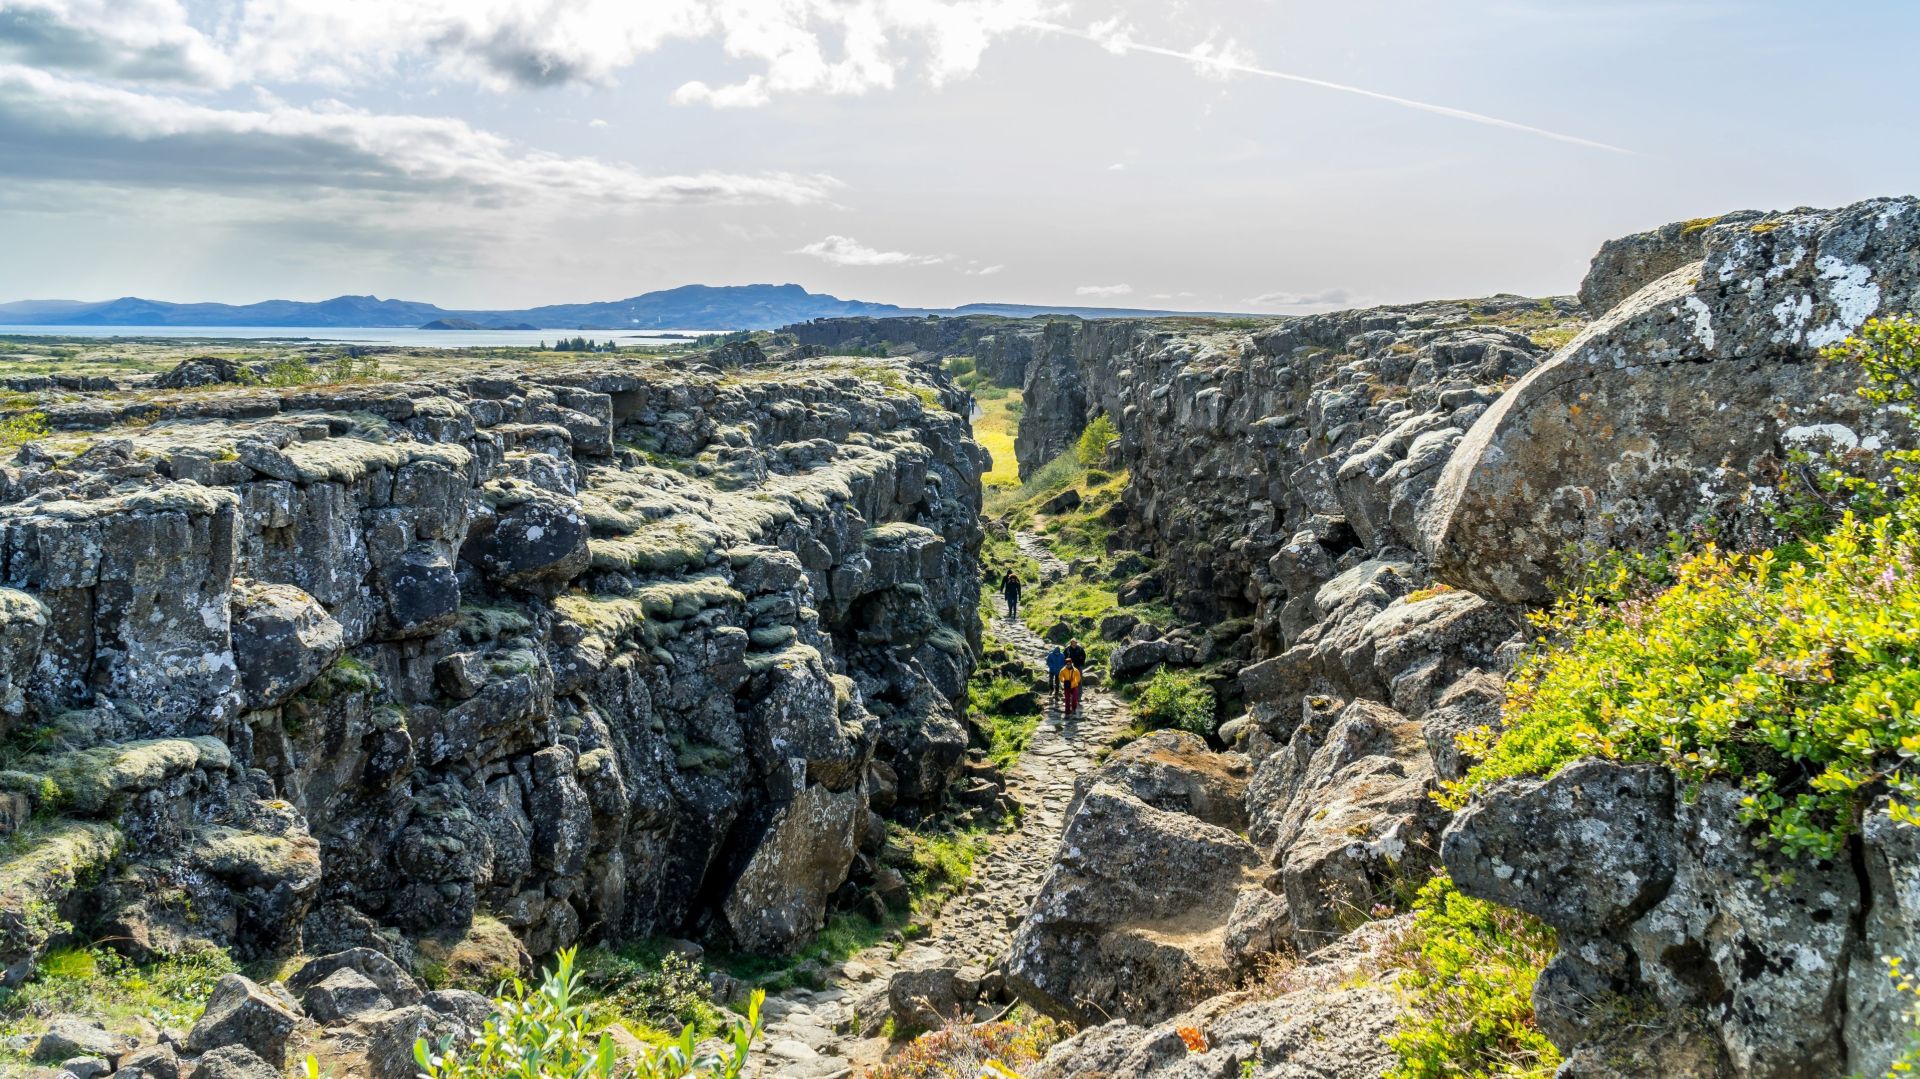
{"points": [[1070, 681]]}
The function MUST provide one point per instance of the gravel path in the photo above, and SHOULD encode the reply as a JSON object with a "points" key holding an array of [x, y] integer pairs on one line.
{"points": [[812, 1034]]}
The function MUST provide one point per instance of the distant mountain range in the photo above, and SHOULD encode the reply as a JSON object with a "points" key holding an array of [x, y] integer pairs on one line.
{"points": [[694, 307]]}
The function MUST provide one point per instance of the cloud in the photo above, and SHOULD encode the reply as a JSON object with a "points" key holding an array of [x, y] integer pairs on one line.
{"points": [[57, 129], [1117, 166], [1103, 290], [797, 46], [596, 122], [986, 271], [1226, 59], [142, 40], [847, 251], [1333, 297]]}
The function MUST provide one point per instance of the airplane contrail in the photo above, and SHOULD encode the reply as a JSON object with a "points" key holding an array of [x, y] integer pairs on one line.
{"points": [[1126, 45]]}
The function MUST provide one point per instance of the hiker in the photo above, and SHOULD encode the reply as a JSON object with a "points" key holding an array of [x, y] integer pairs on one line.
{"points": [[1070, 678], [1010, 588], [1077, 654], [1056, 659]]}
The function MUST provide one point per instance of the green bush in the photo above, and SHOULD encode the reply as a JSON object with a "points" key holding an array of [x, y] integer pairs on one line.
{"points": [[1468, 973], [543, 1032], [23, 427], [1788, 671], [656, 993], [1177, 699], [1092, 448]]}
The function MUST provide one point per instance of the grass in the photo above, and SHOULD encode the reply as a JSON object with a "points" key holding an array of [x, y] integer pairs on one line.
{"points": [[995, 428], [99, 984], [1176, 699], [992, 700]]}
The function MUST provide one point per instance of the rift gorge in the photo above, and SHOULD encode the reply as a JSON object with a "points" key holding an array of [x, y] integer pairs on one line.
{"points": [[1508, 686]]}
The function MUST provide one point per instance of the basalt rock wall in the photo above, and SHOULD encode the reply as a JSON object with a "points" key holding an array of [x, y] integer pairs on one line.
{"points": [[607, 649]]}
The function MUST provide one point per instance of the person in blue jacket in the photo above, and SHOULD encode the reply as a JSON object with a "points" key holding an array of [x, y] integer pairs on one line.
{"points": [[1056, 659]]}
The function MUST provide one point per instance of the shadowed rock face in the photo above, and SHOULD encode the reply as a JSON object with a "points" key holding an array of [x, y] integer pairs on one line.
{"points": [[1679, 407], [600, 648]]}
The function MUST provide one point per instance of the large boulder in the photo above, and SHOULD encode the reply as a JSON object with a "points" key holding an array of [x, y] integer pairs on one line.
{"points": [[1176, 771], [535, 539], [242, 1013], [1131, 922], [1624, 266], [282, 639], [1656, 898], [780, 899], [1668, 412]]}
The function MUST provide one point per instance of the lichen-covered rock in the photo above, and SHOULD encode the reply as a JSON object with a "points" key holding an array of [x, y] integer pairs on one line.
{"points": [[1587, 851], [1624, 436], [534, 650], [1624, 266], [1132, 918], [1656, 896], [242, 1013], [282, 639], [1344, 812]]}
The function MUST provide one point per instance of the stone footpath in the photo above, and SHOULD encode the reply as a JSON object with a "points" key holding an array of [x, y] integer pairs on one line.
{"points": [[819, 1034]]}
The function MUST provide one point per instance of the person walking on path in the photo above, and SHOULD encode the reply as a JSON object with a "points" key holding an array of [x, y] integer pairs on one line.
{"points": [[1056, 659], [1077, 654], [1010, 588], [1070, 679]]}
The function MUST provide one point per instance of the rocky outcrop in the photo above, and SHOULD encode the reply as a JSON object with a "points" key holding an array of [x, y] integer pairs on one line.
{"points": [[1131, 922], [1655, 893], [598, 648], [1679, 408]]}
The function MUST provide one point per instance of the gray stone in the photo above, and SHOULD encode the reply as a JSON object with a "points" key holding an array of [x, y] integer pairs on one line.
{"points": [[241, 1013]]}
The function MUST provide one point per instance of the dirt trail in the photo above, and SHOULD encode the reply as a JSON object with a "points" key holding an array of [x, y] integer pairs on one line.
{"points": [[811, 1034]]}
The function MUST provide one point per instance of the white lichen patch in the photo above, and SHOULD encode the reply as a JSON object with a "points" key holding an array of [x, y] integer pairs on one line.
{"points": [[1855, 297], [1702, 322]]}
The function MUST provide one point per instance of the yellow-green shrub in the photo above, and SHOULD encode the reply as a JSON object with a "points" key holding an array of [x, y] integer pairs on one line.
{"points": [[1469, 968], [1092, 447]]}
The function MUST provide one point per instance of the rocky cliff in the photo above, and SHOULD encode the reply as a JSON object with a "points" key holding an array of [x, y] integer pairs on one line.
{"points": [[1364, 505], [604, 649]]}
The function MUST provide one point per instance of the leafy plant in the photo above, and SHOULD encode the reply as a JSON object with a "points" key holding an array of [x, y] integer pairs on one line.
{"points": [[1469, 969], [1787, 671], [543, 1032], [967, 1051], [1177, 699], [1091, 450], [23, 427]]}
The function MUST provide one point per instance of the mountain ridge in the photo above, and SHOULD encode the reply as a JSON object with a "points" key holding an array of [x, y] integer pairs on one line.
{"points": [[707, 307]]}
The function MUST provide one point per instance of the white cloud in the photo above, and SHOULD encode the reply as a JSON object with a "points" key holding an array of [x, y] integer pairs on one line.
{"points": [[1333, 297], [1117, 166], [57, 129], [145, 40], [987, 271], [596, 122], [847, 251], [1103, 290]]}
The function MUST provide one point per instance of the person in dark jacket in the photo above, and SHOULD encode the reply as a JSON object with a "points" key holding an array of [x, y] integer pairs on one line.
{"points": [[1077, 654], [1056, 659], [1010, 588]]}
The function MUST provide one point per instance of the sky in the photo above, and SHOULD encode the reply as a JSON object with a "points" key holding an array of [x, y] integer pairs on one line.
{"points": [[1240, 155]]}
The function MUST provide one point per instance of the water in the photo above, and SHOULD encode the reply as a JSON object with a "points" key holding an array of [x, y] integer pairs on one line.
{"points": [[362, 335]]}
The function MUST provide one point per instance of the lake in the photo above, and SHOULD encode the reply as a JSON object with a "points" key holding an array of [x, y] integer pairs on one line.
{"points": [[361, 335]]}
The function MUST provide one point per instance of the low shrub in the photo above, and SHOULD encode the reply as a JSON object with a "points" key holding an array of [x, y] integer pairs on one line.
{"points": [[1177, 699], [1091, 450], [967, 1051], [545, 1031], [1468, 973], [103, 985], [21, 428]]}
